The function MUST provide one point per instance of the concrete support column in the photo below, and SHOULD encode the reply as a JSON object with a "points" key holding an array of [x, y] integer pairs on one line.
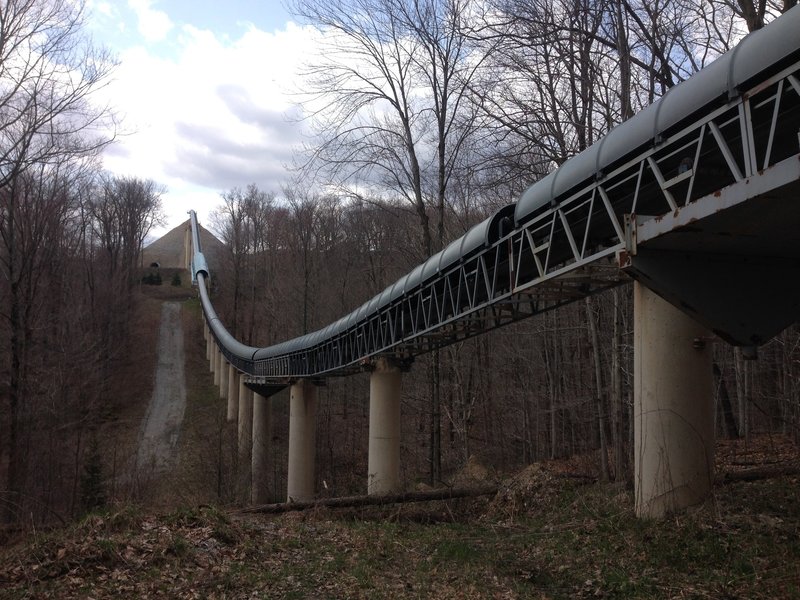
{"points": [[233, 392], [262, 437], [245, 439], [673, 407], [216, 358], [384, 429], [210, 357], [223, 377], [302, 441]]}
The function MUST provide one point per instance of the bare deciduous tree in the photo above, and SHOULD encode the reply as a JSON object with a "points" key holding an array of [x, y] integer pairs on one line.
{"points": [[49, 71], [49, 129]]}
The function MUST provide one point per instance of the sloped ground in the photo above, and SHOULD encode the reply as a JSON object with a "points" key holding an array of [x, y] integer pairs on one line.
{"points": [[158, 440], [542, 536], [143, 430], [546, 534]]}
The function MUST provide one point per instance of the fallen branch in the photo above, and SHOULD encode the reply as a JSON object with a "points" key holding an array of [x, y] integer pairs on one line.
{"points": [[760, 473], [581, 476], [351, 501]]}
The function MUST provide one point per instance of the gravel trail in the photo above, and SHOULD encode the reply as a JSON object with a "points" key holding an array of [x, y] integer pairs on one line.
{"points": [[158, 439]]}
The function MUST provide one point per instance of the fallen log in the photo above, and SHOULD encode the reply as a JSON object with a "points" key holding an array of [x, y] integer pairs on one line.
{"points": [[755, 474], [353, 501]]}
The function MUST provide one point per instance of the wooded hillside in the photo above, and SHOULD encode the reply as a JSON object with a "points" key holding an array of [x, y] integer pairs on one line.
{"points": [[427, 116], [556, 385]]}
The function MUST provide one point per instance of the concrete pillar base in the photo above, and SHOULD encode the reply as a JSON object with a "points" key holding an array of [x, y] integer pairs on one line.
{"points": [[302, 441], [673, 407], [384, 429]]}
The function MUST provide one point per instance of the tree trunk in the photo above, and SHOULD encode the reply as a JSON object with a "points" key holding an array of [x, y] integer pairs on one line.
{"points": [[742, 367], [435, 457], [598, 382], [551, 388], [14, 477], [620, 464], [728, 418]]}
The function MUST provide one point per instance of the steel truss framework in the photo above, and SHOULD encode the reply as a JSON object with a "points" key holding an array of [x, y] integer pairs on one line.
{"points": [[567, 250]]}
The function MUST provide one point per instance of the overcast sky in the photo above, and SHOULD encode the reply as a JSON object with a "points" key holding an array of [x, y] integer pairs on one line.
{"points": [[205, 89]]}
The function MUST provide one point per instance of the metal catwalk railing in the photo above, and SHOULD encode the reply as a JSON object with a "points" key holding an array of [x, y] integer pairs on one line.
{"points": [[559, 242]]}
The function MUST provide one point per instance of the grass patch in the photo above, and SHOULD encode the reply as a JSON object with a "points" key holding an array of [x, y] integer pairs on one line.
{"points": [[540, 537], [569, 541], [205, 468]]}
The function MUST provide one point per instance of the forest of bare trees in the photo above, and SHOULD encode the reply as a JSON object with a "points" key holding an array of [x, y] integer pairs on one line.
{"points": [[429, 115], [554, 386], [70, 241]]}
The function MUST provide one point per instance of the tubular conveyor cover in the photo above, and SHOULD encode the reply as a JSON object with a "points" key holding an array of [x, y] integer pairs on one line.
{"points": [[339, 326], [385, 296], [223, 337], [398, 288], [230, 344], [451, 254], [501, 219], [431, 266], [480, 235], [475, 238], [761, 52], [374, 304], [199, 265], [197, 245], [414, 278]]}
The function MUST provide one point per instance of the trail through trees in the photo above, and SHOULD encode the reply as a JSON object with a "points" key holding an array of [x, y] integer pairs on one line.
{"points": [[158, 440]]}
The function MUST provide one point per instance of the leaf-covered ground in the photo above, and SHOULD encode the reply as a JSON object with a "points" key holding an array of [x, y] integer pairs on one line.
{"points": [[542, 536], [545, 535]]}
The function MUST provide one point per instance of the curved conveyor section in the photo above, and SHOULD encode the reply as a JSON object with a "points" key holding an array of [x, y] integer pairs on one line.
{"points": [[238, 354], [758, 56]]}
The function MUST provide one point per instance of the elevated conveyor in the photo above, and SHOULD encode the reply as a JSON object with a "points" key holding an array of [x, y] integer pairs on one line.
{"points": [[696, 195]]}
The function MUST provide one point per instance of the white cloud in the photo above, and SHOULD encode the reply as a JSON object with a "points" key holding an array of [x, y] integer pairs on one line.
{"points": [[210, 116], [101, 7], [154, 25]]}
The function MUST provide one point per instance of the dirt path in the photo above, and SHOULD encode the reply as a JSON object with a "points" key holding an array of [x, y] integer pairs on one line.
{"points": [[158, 439]]}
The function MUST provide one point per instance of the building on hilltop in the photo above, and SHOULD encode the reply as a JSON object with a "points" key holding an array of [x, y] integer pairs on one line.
{"points": [[168, 251]]}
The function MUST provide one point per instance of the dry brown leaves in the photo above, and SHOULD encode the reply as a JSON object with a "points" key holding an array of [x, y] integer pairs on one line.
{"points": [[756, 451], [103, 557]]}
